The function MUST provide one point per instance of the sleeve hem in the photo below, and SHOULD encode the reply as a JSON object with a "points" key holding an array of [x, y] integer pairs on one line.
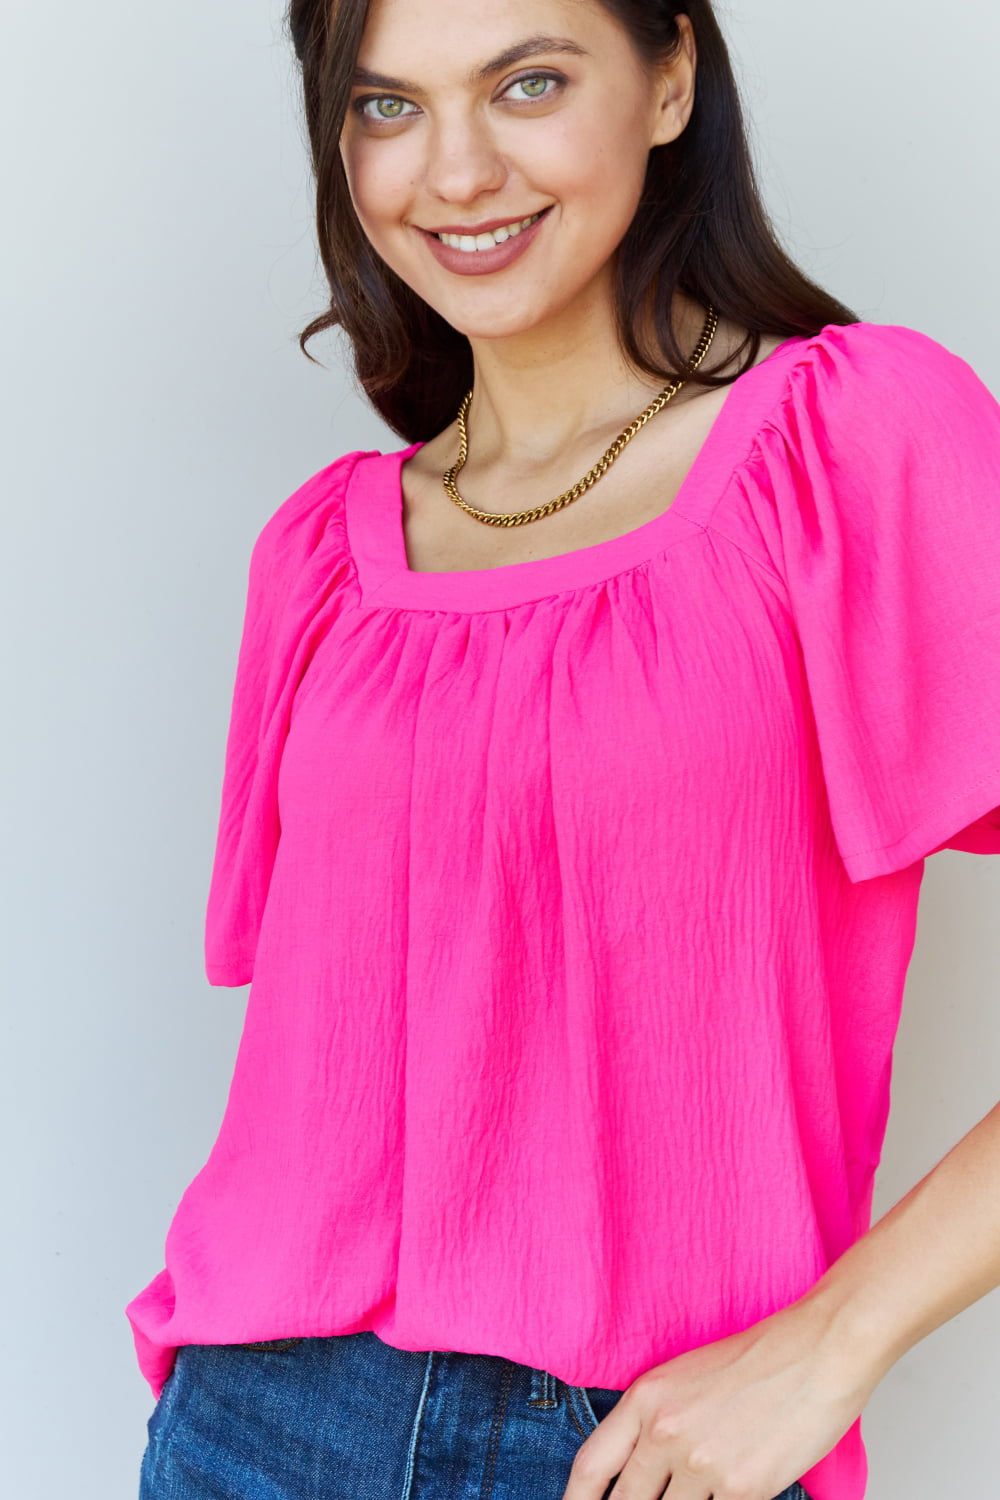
{"points": [[235, 972], [930, 835]]}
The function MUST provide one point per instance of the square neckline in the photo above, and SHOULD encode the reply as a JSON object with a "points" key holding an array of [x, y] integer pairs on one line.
{"points": [[374, 515]]}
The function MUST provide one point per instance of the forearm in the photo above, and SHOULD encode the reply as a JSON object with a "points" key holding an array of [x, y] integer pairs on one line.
{"points": [[932, 1255]]}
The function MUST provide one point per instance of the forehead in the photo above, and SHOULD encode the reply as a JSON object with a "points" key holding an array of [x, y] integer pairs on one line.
{"points": [[507, 57], [401, 45]]}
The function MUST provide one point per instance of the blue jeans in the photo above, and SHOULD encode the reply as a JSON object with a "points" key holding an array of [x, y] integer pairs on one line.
{"points": [[348, 1417]]}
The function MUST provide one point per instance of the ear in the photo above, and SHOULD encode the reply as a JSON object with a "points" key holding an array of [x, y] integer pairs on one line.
{"points": [[674, 94]]}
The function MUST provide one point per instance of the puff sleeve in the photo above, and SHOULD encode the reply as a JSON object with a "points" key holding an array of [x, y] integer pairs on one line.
{"points": [[882, 464], [298, 565]]}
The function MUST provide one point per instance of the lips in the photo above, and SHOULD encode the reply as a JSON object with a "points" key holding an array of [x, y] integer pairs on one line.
{"points": [[483, 262], [496, 237], [488, 226]]}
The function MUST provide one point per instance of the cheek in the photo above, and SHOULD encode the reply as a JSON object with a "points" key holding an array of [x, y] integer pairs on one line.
{"points": [[590, 164], [379, 183]]}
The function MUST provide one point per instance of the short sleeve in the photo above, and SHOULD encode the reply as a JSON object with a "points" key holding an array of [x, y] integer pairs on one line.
{"points": [[882, 464], [298, 562]]}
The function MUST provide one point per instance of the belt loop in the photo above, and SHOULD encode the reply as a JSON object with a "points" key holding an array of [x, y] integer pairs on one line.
{"points": [[543, 1389]]}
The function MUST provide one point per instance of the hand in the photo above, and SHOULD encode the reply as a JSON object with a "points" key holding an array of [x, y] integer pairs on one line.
{"points": [[740, 1419]]}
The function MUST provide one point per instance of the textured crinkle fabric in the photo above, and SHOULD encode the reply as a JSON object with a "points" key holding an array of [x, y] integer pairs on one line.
{"points": [[577, 895]]}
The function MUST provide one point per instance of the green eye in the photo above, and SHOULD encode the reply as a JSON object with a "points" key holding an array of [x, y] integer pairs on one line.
{"points": [[394, 112], [535, 85], [389, 107]]}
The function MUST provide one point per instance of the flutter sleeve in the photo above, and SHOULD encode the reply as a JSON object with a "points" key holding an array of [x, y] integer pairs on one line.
{"points": [[882, 467], [299, 562]]}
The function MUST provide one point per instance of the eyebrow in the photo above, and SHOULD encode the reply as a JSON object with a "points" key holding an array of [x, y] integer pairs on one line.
{"points": [[530, 47]]}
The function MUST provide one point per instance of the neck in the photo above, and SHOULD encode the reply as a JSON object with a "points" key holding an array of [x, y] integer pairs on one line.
{"points": [[540, 396]]}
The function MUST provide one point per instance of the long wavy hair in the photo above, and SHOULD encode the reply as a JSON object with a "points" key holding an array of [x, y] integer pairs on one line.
{"points": [[700, 227]]}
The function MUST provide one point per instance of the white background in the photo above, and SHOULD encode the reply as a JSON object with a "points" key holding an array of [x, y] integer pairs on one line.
{"points": [[158, 263]]}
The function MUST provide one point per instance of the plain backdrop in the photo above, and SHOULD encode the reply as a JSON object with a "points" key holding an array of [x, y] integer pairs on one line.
{"points": [[158, 264]]}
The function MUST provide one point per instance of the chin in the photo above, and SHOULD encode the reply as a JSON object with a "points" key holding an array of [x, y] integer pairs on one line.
{"points": [[496, 318], [501, 327]]}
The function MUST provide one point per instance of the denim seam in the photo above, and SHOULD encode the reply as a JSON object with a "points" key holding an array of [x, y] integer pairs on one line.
{"points": [[489, 1474], [411, 1457], [571, 1408]]}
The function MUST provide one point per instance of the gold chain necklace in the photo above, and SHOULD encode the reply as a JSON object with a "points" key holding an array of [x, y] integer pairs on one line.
{"points": [[518, 518]]}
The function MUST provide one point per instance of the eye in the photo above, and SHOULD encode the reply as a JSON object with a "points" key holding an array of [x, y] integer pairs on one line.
{"points": [[530, 81], [360, 106], [534, 85]]}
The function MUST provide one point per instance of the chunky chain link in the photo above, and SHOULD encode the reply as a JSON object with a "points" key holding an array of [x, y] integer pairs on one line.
{"points": [[518, 518]]}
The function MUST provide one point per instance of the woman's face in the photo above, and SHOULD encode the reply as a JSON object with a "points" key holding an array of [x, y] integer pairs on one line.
{"points": [[453, 135]]}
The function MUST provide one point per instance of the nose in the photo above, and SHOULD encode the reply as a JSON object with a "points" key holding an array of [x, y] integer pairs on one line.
{"points": [[463, 162]]}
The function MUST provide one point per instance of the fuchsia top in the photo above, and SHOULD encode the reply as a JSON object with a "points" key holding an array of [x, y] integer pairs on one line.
{"points": [[577, 895]]}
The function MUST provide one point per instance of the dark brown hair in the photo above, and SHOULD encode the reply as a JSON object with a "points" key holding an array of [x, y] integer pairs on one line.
{"points": [[700, 227]]}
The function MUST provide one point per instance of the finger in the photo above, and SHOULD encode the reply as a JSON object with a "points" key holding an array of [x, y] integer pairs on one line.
{"points": [[647, 1475], [599, 1460]]}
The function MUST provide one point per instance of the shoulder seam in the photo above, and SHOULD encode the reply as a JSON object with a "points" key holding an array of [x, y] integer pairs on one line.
{"points": [[326, 486], [763, 566], [765, 421]]}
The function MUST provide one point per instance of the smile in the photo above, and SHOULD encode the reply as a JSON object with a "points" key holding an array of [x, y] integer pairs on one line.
{"points": [[484, 254], [470, 243]]}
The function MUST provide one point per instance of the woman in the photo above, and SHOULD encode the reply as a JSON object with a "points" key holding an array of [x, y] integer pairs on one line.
{"points": [[584, 756]]}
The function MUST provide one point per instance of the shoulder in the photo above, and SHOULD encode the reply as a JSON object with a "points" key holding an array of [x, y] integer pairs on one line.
{"points": [[871, 433], [307, 516], [862, 403], [878, 376], [303, 529], [876, 345]]}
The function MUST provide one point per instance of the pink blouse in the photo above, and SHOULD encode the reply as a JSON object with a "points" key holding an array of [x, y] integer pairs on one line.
{"points": [[577, 895]]}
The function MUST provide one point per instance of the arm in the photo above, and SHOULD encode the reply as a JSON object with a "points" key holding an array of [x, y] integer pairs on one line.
{"points": [[930, 1257]]}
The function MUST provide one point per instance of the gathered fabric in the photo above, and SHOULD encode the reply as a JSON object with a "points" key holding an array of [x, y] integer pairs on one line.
{"points": [[576, 896]]}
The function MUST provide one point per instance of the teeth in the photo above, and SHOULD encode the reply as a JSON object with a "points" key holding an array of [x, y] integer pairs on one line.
{"points": [[471, 242]]}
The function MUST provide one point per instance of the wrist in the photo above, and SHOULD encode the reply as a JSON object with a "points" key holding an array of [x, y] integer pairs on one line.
{"points": [[854, 1328]]}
